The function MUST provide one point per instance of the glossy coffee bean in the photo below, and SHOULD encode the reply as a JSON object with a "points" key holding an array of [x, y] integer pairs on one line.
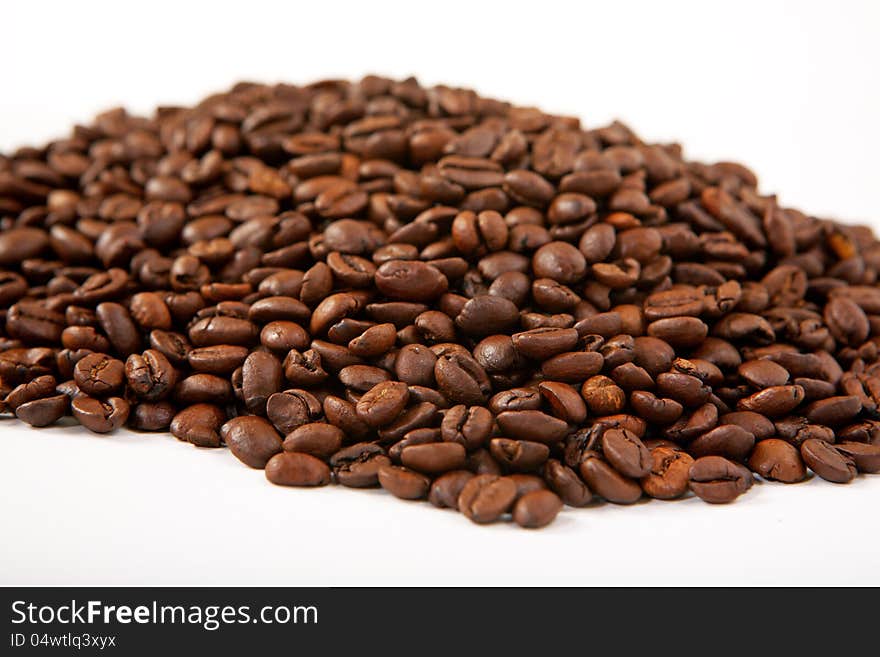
{"points": [[297, 469], [716, 480], [251, 439], [537, 509], [486, 497]]}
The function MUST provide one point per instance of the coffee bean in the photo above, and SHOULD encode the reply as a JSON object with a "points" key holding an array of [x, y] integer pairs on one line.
{"points": [[537, 509], [773, 401], [728, 440], [291, 409], [403, 482], [626, 453], [519, 455], [777, 460], [543, 343], [486, 497], [668, 478], [434, 458], [469, 427], [358, 465], [100, 415], [199, 424], [827, 461], [447, 487], [150, 376], [565, 483], [297, 469], [716, 480], [604, 480], [603, 396], [865, 456], [319, 439], [565, 401], [532, 425], [44, 411], [461, 379], [261, 378], [251, 439], [383, 403], [763, 373]]}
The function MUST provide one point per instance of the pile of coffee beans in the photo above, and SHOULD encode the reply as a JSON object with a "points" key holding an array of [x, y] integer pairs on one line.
{"points": [[459, 300]]}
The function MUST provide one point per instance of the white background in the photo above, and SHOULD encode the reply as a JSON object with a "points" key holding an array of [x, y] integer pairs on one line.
{"points": [[789, 88]]}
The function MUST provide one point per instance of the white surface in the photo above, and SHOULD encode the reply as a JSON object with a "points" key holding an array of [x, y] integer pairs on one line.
{"points": [[147, 509], [789, 88]]}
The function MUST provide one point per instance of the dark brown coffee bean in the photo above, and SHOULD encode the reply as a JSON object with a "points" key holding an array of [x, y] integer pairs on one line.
{"points": [[777, 460], [470, 427], [447, 487], [572, 366], [382, 403], [44, 411], [434, 458], [119, 328], [357, 466], [543, 343], [403, 482], [100, 415], [519, 455], [251, 439], [827, 461], [532, 425], [728, 440], [763, 373], [297, 469], [565, 483], [668, 478], [537, 509], [319, 439], [410, 280], [261, 378], [833, 410], [603, 396], [486, 497], [607, 482], [199, 424], [486, 314], [291, 409], [716, 480], [865, 456], [773, 401], [461, 379], [626, 453]]}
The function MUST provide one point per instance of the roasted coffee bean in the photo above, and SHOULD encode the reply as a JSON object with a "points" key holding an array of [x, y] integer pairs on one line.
{"points": [[251, 439], [152, 416], [486, 497], [773, 401], [199, 424], [469, 427], [716, 480], [536, 509], [100, 415], [261, 376], [728, 440], [46, 411], [777, 460], [626, 453], [218, 359], [543, 343], [297, 469], [828, 462], [150, 376], [447, 487], [461, 379], [519, 455], [291, 409], [358, 465], [668, 478], [434, 458], [607, 482], [382, 403], [403, 482], [603, 396], [565, 483], [865, 456], [319, 439], [532, 425]]}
